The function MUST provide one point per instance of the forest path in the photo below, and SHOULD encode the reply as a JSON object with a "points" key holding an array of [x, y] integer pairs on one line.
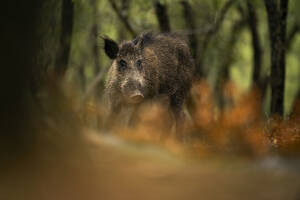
{"points": [[105, 167]]}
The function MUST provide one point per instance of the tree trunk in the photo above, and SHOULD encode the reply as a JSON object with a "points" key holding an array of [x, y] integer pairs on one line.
{"points": [[63, 55], [95, 47], [277, 14], [162, 17], [295, 112], [256, 44], [224, 71], [191, 25], [20, 52]]}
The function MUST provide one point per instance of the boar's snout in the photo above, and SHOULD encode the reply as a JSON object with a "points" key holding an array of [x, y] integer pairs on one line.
{"points": [[136, 97], [132, 91]]}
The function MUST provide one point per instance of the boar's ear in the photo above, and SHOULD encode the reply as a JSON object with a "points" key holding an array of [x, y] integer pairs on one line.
{"points": [[110, 47], [143, 39]]}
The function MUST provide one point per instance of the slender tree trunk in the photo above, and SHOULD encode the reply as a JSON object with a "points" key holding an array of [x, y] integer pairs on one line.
{"points": [[191, 25], [256, 44], [277, 14], [95, 34], [162, 17], [224, 71], [63, 55]]}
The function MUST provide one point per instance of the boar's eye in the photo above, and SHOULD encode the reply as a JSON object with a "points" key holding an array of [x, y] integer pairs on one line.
{"points": [[139, 64], [122, 65]]}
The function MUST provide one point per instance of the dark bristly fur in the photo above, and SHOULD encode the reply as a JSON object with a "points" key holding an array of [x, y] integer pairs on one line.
{"points": [[166, 69]]}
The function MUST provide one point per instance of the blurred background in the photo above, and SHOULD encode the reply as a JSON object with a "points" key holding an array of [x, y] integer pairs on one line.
{"points": [[229, 40], [242, 136]]}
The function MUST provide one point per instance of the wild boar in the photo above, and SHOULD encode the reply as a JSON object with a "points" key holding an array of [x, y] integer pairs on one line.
{"points": [[149, 66]]}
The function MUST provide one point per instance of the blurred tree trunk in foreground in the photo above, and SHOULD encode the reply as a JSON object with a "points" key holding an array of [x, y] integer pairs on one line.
{"points": [[47, 37], [162, 17], [277, 13], [63, 52], [20, 50]]}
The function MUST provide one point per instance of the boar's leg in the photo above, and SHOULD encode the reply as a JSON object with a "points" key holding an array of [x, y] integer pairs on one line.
{"points": [[114, 111], [134, 118], [176, 104]]}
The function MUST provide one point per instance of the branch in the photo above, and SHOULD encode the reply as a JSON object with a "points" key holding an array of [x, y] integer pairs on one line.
{"points": [[211, 33], [221, 17], [291, 35], [123, 18]]}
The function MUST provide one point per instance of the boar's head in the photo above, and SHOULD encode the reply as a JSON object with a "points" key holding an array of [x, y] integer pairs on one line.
{"points": [[129, 72]]}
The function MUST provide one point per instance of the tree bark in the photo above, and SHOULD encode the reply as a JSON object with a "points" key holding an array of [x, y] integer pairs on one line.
{"points": [[63, 55], [162, 17], [277, 14]]}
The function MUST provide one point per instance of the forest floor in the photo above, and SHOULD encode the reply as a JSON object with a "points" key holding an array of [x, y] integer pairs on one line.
{"points": [[232, 155], [94, 166]]}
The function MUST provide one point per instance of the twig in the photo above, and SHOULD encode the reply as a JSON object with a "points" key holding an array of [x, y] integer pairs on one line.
{"points": [[123, 18]]}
